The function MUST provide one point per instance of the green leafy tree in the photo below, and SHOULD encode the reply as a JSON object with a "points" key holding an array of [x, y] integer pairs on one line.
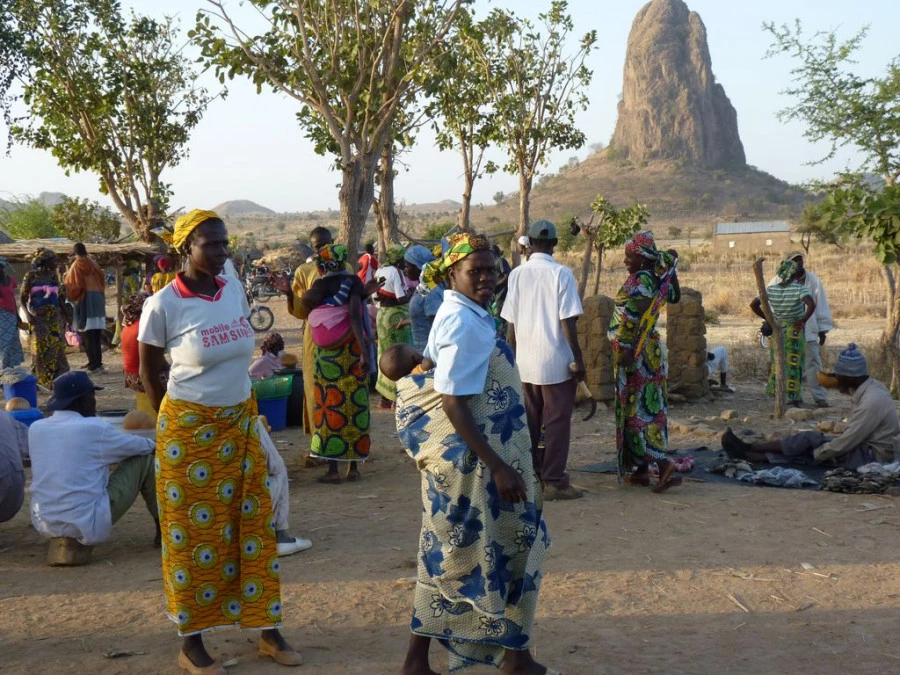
{"points": [[499, 197], [106, 95], [27, 219], [818, 223], [463, 118], [847, 110], [84, 220], [349, 65], [536, 89], [613, 227]]}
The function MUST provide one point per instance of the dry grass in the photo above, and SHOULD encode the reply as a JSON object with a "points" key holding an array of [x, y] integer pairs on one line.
{"points": [[852, 278]]}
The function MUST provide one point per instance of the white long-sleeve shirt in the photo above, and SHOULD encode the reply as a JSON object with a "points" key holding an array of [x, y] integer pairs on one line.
{"points": [[70, 458], [873, 422]]}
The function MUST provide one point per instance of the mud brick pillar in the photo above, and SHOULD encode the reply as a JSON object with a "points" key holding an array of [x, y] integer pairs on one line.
{"points": [[598, 310], [686, 343]]}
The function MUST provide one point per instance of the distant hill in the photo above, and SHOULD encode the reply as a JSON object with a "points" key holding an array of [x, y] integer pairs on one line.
{"points": [[445, 206], [676, 193], [241, 207], [50, 199]]}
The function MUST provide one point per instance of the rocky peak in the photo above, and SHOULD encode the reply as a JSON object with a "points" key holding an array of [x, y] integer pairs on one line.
{"points": [[672, 107]]}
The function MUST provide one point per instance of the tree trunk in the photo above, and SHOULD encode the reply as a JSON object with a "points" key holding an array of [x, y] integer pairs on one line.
{"points": [[524, 204], [890, 339], [599, 267], [356, 196], [386, 220], [777, 336], [463, 219], [586, 259]]}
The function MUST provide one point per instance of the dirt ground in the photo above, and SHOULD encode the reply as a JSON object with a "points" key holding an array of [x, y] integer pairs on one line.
{"points": [[706, 578]]}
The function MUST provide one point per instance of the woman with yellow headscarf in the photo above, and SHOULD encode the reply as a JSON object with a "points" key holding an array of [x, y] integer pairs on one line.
{"points": [[483, 537], [219, 552]]}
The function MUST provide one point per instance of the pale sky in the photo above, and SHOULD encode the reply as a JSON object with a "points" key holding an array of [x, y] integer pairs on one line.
{"points": [[250, 146]]}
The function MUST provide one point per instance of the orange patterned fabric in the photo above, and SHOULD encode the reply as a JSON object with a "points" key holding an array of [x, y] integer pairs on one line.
{"points": [[219, 556]]}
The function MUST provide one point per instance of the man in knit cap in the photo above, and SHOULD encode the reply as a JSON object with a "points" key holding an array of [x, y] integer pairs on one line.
{"points": [[872, 433]]}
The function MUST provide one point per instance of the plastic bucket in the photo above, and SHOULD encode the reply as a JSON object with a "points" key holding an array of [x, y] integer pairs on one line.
{"points": [[27, 417], [26, 389], [295, 401], [275, 410]]}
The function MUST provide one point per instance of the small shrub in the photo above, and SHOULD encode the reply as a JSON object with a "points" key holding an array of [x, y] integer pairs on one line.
{"points": [[711, 317]]}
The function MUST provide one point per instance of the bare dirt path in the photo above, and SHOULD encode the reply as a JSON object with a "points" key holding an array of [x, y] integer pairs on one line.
{"points": [[706, 578]]}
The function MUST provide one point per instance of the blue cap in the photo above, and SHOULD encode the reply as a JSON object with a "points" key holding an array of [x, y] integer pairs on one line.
{"points": [[541, 229], [69, 387]]}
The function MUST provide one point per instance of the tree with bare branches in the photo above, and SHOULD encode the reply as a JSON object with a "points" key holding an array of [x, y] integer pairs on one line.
{"points": [[349, 65]]}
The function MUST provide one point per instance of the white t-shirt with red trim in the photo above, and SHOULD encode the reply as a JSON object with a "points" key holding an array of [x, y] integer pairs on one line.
{"points": [[209, 341]]}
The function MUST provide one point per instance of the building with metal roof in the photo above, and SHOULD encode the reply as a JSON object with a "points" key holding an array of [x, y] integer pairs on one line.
{"points": [[752, 237]]}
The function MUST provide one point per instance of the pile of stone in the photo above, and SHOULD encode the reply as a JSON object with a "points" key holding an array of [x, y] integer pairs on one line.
{"points": [[686, 341]]}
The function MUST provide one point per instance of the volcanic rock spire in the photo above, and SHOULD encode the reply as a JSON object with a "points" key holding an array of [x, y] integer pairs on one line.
{"points": [[672, 107]]}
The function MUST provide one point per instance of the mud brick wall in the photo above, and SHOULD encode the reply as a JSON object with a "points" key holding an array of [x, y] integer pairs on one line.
{"points": [[686, 342], [598, 310]]}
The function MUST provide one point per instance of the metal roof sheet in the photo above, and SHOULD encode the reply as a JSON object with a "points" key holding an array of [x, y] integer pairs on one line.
{"points": [[753, 228]]}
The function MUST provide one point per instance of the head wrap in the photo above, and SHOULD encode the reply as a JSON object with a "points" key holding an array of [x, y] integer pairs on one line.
{"points": [[644, 245], [524, 241], [164, 263], [786, 271], [796, 254], [269, 342], [418, 256], [851, 363], [331, 257], [131, 310], [187, 224], [43, 256], [459, 247], [394, 255]]}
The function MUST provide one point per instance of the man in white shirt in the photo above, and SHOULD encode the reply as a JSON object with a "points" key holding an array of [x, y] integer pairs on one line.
{"points": [[817, 328], [13, 448], [542, 307], [73, 494]]}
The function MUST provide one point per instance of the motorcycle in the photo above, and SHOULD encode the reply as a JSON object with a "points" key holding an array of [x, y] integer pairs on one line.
{"points": [[261, 317]]}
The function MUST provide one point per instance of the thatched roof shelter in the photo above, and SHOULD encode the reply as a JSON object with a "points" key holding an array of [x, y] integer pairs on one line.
{"points": [[106, 255]]}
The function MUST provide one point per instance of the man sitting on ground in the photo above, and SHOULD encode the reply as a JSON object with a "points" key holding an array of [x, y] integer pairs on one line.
{"points": [[13, 449], [872, 434], [73, 494], [717, 362]]}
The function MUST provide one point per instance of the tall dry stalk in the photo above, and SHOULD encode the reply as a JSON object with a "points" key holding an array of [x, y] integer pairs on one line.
{"points": [[777, 336]]}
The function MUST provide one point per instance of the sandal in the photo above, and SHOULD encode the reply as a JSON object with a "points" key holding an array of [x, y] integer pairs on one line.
{"points": [[638, 478], [667, 479]]}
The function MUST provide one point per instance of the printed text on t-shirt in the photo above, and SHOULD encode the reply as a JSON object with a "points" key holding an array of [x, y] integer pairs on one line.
{"points": [[222, 333]]}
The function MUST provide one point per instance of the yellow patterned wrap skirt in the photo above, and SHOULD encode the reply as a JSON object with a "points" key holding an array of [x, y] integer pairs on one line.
{"points": [[219, 555]]}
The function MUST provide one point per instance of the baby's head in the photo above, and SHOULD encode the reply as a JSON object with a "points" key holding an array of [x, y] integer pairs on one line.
{"points": [[399, 360]]}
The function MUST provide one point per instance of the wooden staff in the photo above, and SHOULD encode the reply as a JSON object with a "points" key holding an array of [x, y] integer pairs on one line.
{"points": [[777, 337]]}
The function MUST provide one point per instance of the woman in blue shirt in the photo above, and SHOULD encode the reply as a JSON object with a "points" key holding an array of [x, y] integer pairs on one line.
{"points": [[483, 537]]}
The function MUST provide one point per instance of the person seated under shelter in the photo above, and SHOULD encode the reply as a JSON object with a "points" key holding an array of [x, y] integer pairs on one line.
{"points": [[872, 433], [73, 494], [13, 449]]}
